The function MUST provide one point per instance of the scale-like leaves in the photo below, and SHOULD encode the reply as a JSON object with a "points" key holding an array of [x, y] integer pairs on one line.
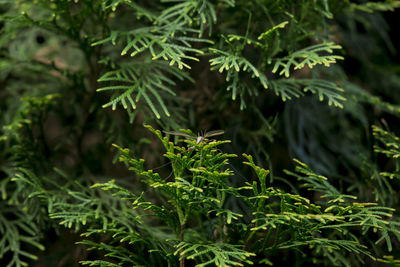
{"points": [[190, 12], [138, 9], [372, 6], [137, 81], [288, 88], [309, 56], [356, 93], [389, 144], [364, 215], [316, 223], [119, 253], [317, 183], [164, 42], [226, 61], [16, 234], [215, 254], [234, 65], [328, 246], [196, 210]]}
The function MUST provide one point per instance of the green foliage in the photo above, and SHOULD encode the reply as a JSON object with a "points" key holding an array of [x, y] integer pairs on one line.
{"points": [[141, 80], [16, 233], [218, 254], [289, 88], [371, 7], [158, 41], [309, 56], [316, 81], [280, 220]]}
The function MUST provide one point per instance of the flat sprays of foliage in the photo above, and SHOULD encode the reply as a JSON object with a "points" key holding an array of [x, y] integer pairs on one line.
{"points": [[307, 172]]}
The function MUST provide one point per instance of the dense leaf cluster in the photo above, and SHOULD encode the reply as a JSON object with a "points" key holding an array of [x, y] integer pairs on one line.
{"points": [[313, 80]]}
